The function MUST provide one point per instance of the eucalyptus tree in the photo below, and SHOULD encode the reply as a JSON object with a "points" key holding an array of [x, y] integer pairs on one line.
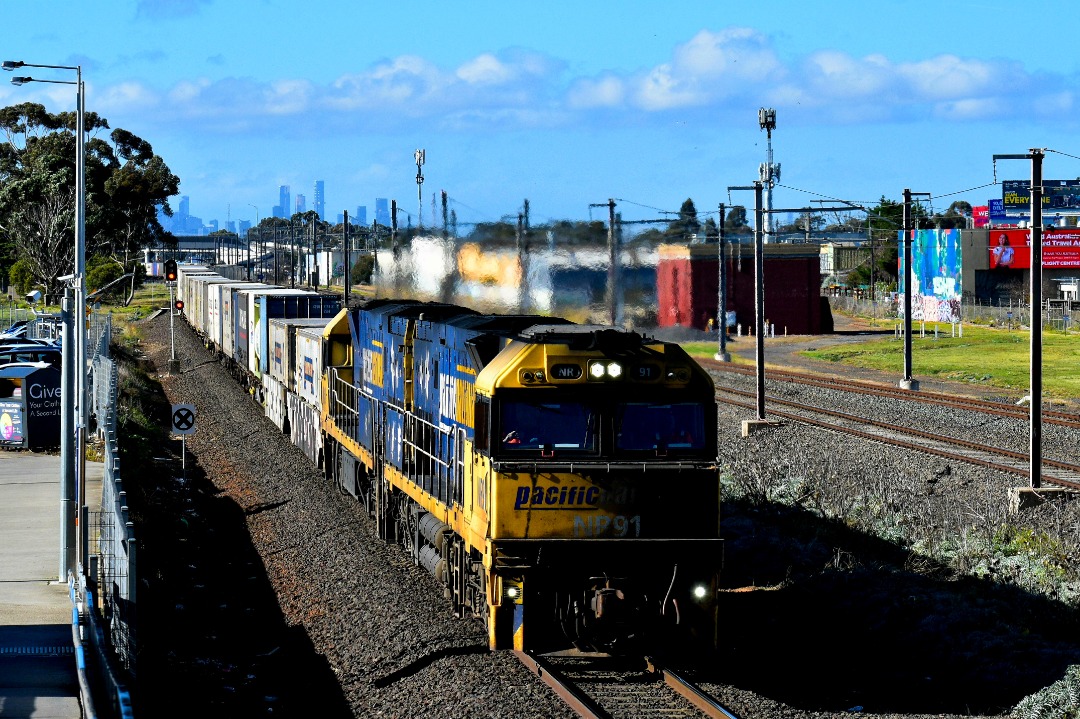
{"points": [[125, 184]]}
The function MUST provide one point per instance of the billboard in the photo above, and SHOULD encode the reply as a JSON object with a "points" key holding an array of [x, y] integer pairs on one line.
{"points": [[1057, 195], [1011, 249], [935, 275]]}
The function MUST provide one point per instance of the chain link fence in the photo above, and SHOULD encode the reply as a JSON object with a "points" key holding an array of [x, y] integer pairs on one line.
{"points": [[972, 311], [113, 543]]}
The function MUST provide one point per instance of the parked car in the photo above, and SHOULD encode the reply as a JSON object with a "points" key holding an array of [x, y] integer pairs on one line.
{"points": [[31, 353]]}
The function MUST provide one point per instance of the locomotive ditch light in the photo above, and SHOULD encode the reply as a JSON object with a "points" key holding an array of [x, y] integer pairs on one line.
{"points": [[529, 376], [700, 591], [511, 590], [678, 374]]}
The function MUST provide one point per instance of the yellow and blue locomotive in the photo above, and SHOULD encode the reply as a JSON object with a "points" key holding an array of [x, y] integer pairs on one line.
{"points": [[559, 480]]}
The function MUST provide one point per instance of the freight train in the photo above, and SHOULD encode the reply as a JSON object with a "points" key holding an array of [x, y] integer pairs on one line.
{"points": [[558, 480]]}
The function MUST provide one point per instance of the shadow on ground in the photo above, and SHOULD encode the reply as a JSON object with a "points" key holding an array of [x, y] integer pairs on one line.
{"points": [[213, 641], [857, 621]]}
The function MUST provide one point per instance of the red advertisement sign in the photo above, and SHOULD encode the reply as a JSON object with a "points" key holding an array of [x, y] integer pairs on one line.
{"points": [[1012, 249], [980, 216]]}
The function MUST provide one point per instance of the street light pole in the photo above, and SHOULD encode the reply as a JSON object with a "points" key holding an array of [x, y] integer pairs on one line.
{"points": [[79, 314]]}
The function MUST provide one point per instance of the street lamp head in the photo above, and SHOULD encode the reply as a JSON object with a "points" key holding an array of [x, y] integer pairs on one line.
{"points": [[13, 64], [21, 80]]}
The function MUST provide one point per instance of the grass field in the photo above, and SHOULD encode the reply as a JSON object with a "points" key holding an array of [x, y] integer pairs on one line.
{"points": [[986, 356]]}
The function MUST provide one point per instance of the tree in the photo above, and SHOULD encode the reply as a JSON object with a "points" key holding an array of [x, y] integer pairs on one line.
{"points": [[712, 232], [125, 184], [736, 222], [955, 217], [684, 228]]}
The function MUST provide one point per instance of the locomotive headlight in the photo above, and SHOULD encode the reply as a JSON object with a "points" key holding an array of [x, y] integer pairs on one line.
{"points": [[605, 369], [513, 592], [700, 591]]}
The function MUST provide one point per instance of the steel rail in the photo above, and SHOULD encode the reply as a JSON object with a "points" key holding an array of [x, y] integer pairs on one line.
{"points": [[577, 700], [895, 441], [1065, 419], [692, 692]]}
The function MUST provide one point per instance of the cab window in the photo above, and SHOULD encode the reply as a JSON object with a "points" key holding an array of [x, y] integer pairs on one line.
{"points": [[564, 426], [647, 426]]}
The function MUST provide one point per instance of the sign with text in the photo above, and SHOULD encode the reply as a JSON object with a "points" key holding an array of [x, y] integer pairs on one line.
{"points": [[1057, 195], [1011, 249]]}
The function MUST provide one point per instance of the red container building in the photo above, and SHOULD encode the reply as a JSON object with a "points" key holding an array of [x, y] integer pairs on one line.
{"points": [[687, 282]]}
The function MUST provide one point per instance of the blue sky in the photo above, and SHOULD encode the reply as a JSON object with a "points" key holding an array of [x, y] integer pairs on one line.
{"points": [[566, 103]]}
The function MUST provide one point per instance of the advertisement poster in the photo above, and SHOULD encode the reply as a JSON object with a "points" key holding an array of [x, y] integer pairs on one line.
{"points": [[11, 424], [1011, 249], [935, 274], [1057, 195]]}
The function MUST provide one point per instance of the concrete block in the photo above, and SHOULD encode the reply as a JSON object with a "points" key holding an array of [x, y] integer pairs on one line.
{"points": [[1028, 497]]}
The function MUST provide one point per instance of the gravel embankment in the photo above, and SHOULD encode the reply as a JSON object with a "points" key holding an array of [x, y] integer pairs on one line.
{"points": [[302, 601], [338, 624]]}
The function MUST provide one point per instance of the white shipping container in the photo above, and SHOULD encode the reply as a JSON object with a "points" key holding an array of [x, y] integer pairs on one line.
{"points": [[276, 401], [309, 364]]}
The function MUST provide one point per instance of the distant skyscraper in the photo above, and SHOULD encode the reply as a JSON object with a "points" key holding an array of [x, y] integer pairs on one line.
{"points": [[284, 198], [245, 225], [277, 211], [320, 199], [301, 203], [185, 206], [382, 211], [361, 215]]}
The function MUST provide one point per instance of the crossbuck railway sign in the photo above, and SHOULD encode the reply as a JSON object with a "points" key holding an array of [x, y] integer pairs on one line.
{"points": [[183, 419]]}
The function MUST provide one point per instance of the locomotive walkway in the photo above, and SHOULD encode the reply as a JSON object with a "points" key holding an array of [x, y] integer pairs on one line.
{"points": [[37, 657]]}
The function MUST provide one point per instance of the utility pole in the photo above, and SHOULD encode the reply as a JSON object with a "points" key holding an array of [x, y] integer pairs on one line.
{"points": [[345, 251], [721, 304], [613, 267], [419, 156], [445, 217], [908, 382], [1035, 155]]}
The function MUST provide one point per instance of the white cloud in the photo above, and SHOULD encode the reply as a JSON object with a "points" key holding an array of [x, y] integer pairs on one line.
{"points": [[123, 97], [485, 70], [946, 77], [720, 73], [288, 97], [607, 91]]}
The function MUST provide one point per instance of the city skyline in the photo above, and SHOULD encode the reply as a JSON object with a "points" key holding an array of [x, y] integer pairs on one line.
{"points": [[645, 103]]}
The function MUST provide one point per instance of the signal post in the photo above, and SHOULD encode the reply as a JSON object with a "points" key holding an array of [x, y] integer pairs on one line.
{"points": [[175, 306]]}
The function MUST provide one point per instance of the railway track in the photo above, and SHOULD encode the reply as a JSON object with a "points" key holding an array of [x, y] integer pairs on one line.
{"points": [[997, 409], [607, 687], [1061, 473]]}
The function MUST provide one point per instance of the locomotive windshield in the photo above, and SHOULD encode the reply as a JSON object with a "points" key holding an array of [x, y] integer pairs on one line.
{"points": [[547, 425], [646, 426]]}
